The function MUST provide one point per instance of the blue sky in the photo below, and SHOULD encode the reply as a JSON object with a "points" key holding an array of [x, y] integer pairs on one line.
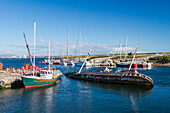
{"points": [[104, 22]]}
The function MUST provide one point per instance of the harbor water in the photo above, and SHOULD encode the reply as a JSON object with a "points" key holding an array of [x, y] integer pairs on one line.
{"points": [[76, 96]]}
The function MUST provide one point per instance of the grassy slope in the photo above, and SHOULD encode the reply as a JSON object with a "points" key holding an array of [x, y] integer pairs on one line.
{"points": [[160, 59]]}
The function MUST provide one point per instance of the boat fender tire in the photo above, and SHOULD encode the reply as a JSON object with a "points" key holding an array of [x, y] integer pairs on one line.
{"points": [[2, 83]]}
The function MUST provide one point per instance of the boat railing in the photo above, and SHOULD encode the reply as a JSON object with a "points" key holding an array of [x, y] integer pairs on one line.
{"points": [[58, 72], [98, 73], [136, 74], [121, 74], [142, 75], [146, 77]]}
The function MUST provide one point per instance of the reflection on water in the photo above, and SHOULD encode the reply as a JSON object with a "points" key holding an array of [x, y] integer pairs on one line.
{"points": [[42, 97], [134, 103], [124, 90], [128, 91]]}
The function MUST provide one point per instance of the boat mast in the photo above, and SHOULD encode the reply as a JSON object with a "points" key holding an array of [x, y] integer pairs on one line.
{"points": [[49, 53], [67, 44], [53, 47], [61, 52], [134, 56], [85, 61], [126, 48], [34, 47], [79, 46], [28, 49], [86, 46], [120, 50]]}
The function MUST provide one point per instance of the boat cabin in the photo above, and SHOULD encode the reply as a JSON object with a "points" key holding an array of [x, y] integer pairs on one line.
{"points": [[46, 74]]}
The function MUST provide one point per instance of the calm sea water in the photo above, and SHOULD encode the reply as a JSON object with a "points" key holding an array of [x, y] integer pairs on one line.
{"points": [[76, 96]]}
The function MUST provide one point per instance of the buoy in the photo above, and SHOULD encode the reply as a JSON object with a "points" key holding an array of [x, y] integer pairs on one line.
{"points": [[22, 67], [52, 68], [36, 68], [1, 66], [26, 66], [31, 67], [2, 83], [10, 69]]}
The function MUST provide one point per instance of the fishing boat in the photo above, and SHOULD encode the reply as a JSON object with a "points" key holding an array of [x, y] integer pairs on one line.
{"points": [[120, 77], [40, 78]]}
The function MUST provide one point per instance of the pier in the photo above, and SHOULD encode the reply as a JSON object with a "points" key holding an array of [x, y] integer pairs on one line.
{"points": [[12, 77], [10, 80]]}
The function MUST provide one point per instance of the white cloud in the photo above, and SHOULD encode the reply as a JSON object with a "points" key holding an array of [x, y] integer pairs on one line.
{"points": [[60, 49], [41, 40]]}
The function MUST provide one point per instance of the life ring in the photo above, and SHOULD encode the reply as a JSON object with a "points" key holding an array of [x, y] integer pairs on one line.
{"points": [[2, 83]]}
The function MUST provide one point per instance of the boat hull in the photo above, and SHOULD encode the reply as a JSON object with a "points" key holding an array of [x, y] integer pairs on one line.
{"points": [[112, 78], [32, 82], [125, 65]]}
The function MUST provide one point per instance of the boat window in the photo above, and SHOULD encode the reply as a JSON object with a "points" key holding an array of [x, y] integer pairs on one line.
{"points": [[45, 72]]}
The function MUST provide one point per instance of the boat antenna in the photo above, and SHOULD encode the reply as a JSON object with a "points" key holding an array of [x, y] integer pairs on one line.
{"points": [[53, 47], [134, 56], [120, 50], [34, 47], [28, 49], [67, 44], [117, 50], [85, 61], [49, 53], [79, 46], [86, 45], [126, 48]]}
